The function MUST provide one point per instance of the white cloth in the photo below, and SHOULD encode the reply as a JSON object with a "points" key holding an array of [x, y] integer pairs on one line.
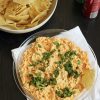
{"points": [[75, 35]]}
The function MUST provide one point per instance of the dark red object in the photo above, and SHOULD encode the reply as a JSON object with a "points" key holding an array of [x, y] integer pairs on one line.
{"points": [[91, 8]]}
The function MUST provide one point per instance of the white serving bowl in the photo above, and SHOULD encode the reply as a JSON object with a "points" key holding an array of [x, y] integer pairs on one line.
{"points": [[46, 19]]}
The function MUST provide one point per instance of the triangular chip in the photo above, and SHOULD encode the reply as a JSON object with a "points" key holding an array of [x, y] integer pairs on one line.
{"points": [[12, 9], [9, 21], [11, 26], [23, 2], [40, 16], [21, 10], [88, 78], [33, 12], [3, 4], [18, 18], [2, 20]]}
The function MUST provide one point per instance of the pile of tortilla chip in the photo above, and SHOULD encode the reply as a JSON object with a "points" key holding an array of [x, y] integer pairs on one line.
{"points": [[23, 14]]}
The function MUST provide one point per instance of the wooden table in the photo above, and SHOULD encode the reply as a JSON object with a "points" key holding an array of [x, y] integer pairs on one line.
{"points": [[68, 15]]}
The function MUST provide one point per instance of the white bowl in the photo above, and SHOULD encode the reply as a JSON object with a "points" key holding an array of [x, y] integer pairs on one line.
{"points": [[46, 19]]}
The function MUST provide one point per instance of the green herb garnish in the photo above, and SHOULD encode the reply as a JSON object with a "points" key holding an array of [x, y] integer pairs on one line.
{"points": [[56, 72], [39, 46], [70, 54], [59, 64], [78, 62], [63, 93], [57, 44], [31, 65], [58, 50], [38, 74], [76, 74], [67, 56], [30, 75], [62, 57], [42, 69], [59, 93], [69, 68], [52, 81], [39, 81], [53, 51], [47, 55]]}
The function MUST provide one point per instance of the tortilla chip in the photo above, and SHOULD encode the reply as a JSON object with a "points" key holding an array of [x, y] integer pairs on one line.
{"points": [[24, 2], [33, 24], [88, 78], [22, 10], [2, 20], [23, 22], [12, 9], [33, 12], [42, 5], [18, 18], [40, 16], [3, 4], [11, 26]]}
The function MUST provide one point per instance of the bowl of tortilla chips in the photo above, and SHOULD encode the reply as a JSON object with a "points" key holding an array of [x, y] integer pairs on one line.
{"points": [[22, 16]]}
